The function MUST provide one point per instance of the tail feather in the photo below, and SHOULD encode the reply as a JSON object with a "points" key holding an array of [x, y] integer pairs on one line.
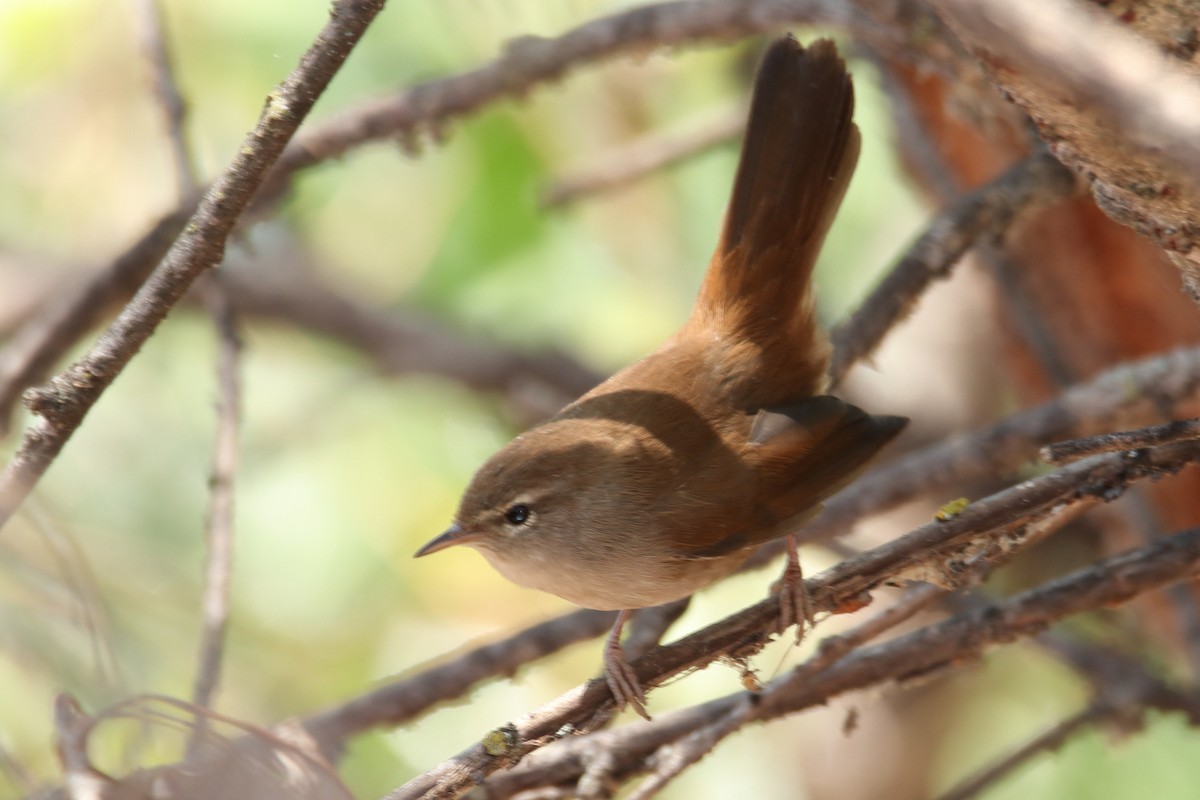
{"points": [[799, 152]]}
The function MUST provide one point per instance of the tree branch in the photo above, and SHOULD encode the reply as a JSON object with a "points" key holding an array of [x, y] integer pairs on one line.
{"points": [[1150, 100]]}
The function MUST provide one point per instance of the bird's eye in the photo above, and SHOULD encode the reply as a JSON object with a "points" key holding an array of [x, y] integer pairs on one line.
{"points": [[518, 514]]}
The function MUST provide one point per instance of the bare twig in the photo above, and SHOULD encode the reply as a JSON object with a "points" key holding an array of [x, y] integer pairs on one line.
{"points": [[1175, 431], [154, 43], [62, 405], [671, 759], [71, 729], [845, 585], [644, 156], [1150, 100], [982, 215], [219, 534], [1123, 686]]}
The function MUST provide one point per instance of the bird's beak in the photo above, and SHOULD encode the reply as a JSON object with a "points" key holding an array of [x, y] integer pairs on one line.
{"points": [[453, 535]]}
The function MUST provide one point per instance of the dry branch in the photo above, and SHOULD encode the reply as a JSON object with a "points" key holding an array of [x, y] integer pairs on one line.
{"points": [[1152, 101]]}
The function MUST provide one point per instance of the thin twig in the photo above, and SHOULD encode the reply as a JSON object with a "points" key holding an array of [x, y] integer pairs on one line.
{"points": [[166, 90], [219, 530], [1046, 742], [642, 157], [61, 406], [673, 757], [982, 215], [1175, 431], [219, 534]]}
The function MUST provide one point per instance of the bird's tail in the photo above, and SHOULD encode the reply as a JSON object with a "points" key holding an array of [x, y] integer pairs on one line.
{"points": [[799, 152]]}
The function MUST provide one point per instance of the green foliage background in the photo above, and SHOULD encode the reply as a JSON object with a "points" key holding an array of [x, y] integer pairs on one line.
{"points": [[345, 474]]}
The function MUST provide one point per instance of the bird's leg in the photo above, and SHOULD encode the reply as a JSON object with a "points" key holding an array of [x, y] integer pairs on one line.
{"points": [[794, 605], [622, 680]]}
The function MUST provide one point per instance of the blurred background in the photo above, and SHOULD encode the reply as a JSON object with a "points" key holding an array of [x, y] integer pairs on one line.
{"points": [[345, 471]]}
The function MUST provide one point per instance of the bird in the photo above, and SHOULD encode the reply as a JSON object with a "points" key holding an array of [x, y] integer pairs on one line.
{"points": [[665, 477]]}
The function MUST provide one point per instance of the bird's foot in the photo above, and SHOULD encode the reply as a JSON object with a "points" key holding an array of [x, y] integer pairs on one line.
{"points": [[795, 607], [622, 680]]}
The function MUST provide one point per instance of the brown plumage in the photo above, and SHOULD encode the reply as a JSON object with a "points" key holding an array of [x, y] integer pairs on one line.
{"points": [[665, 477]]}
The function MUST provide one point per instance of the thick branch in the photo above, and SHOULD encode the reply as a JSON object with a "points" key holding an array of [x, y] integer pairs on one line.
{"points": [[1151, 100]]}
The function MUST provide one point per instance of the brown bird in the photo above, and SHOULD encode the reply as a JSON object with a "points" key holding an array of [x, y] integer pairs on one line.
{"points": [[665, 477]]}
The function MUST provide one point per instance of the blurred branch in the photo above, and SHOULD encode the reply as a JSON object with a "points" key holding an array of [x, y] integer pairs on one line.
{"points": [[166, 90], [219, 532], [935, 549], [641, 157], [1124, 689], [402, 700], [1048, 741], [61, 406], [1138, 391], [403, 342], [980, 216], [1149, 99]]}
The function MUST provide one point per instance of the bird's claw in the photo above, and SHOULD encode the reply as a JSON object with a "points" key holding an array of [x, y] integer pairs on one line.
{"points": [[623, 681], [795, 607]]}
